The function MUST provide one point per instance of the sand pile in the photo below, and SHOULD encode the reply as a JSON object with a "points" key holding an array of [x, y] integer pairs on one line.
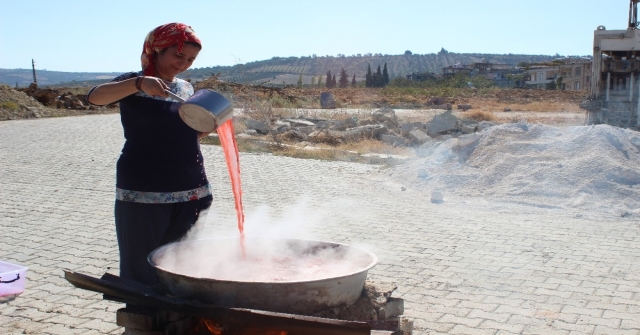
{"points": [[585, 167]]}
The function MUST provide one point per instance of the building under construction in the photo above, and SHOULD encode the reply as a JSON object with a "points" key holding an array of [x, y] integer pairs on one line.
{"points": [[615, 88]]}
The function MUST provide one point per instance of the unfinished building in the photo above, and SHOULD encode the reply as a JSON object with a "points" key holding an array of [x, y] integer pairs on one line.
{"points": [[615, 88]]}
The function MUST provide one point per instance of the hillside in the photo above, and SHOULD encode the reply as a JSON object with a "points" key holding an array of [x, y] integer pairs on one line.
{"points": [[279, 69], [288, 69]]}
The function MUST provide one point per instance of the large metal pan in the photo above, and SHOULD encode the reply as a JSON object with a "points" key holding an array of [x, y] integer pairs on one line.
{"points": [[188, 269], [205, 110]]}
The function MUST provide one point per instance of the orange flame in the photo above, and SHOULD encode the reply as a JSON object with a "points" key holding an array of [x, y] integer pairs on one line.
{"points": [[213, 327]]}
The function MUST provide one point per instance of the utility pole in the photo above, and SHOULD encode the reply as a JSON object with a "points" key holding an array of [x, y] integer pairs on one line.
{"points": [[33, 66]]}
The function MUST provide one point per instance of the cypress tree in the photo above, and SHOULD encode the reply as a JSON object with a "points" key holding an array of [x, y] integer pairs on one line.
{"points": [[385, 74], [344, 78], [333, 81], [328, 82], [300, 81], [353, 81], [377, 78], [368, 79]]}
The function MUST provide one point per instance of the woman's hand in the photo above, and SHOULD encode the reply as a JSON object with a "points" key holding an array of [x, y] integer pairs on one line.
{"points": [[153, 86]]}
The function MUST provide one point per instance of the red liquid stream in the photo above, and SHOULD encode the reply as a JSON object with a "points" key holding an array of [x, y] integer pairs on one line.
{"points": [[230, 148]]}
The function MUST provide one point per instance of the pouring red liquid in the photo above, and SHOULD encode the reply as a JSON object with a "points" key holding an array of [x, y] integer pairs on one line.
{"points": [[230, 148]]}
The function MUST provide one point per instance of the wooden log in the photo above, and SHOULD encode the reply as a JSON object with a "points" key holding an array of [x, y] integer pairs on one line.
{"points": [[240, 319]]}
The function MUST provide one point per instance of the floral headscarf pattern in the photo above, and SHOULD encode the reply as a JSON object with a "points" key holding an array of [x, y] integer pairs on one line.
{"points": [[163, 37]]}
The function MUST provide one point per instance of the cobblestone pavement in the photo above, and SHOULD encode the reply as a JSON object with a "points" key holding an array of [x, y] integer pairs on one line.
{"points": [[462, 268]]}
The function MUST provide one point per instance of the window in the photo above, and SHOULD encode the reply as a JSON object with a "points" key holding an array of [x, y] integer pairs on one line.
{"points": [[578, 71], [576, 85]]}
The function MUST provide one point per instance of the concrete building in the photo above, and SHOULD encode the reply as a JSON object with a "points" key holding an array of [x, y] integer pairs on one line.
{"points": [[575, 74]]}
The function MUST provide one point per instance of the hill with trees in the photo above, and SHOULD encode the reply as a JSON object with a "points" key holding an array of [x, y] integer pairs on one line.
{"points": [[293, 70]]}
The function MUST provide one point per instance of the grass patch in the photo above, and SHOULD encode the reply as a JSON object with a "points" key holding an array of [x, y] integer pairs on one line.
{"points": [[9, 105], [480, 116], [352, 152]]}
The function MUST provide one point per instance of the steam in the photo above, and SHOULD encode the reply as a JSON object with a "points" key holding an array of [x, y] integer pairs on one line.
{"points": [[277, 249]]}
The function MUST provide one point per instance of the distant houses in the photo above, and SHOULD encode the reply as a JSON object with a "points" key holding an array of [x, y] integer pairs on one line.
{"points": [[572, 74]]}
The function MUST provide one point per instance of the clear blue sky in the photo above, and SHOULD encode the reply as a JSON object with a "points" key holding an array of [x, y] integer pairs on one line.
{"points": [[107, 36]]}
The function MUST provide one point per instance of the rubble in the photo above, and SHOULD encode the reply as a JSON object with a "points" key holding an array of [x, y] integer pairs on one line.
{"points": [[375, 305], [382, 125]]}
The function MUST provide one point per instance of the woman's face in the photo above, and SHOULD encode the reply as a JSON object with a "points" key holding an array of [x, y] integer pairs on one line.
{"points": [[170, 62]]}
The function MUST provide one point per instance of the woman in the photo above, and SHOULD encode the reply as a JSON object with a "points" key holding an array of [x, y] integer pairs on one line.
{"points": [[161, 185]]}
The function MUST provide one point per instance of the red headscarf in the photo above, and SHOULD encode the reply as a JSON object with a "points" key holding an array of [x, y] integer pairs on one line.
{"points": [[163, 37]]}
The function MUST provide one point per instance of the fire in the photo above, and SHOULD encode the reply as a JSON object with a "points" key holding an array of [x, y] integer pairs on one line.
{"points": [[212, 327]]}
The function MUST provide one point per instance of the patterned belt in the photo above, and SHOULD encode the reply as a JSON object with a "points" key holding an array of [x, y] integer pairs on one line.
{"points": [[163, 197]]}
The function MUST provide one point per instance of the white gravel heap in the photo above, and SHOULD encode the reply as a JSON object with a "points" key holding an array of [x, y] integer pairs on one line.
{"points": [[585, 167]]}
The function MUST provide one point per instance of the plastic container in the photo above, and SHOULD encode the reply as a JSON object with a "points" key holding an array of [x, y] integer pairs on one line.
{"points": [[12, 280]]}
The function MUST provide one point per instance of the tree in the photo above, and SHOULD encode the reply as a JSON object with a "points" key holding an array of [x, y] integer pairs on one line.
{"points": [[313, 81], [378, 80], [408, 53], [353, 81], [344, 78], [551, 85], [328, 82], [319, 81], [300, 80], [385, 74], [368, 78], [333, 81], [559, 84]]}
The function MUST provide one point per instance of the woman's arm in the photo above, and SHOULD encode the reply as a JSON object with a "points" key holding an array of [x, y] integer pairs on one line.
{"points": [[114, 91]]}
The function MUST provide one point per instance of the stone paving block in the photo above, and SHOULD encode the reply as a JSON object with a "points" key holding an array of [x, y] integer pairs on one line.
{"points": [[608, 322], [67, 320], [99, 325], [501, 326], [574, 327], [464, 330], [583, 311], [497, 317], [603, 330], [60, 329], [438, 326], [33, 314]]}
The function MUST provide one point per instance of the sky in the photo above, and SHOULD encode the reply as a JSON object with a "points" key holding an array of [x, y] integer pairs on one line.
{"points": [[107, 36]]}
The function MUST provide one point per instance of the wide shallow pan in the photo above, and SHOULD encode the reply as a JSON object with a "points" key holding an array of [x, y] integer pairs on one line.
{"points": [[205, 110], [274, 274]]}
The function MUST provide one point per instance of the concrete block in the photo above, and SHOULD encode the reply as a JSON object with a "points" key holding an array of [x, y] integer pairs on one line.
{"points": [[393, 140], [418, 136], [442, 123], [140, 318]]}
